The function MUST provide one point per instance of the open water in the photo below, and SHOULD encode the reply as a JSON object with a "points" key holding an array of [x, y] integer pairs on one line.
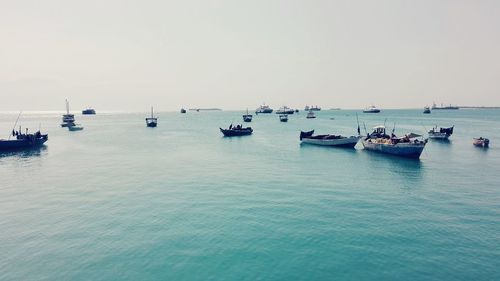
{"points": [[120, 201]]}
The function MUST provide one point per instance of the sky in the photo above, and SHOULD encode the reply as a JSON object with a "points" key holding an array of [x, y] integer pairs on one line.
{"points": [[128, 55]]}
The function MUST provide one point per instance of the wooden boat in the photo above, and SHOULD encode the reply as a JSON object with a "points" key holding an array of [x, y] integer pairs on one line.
{"points": [[285, 110], [68, 119], [406, 146], [75, 127], [247, 117], [236, 131], [264, 109], [371, 109], [283, 117], [88, 111], [427, 110], [481, 142], [23, 141], [329, 140], [310, 115], [152, 121], [441, 134]]}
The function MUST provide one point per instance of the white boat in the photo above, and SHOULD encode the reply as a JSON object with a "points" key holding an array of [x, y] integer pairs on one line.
{"points": [[283, 117], [329, 140], [371, 109], [441, 134], [285, 110], [264, 109], [407, 146], [310, 115], [68, 119], [427, 110]]}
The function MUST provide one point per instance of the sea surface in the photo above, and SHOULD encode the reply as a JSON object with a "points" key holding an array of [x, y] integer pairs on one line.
{"points": [[120, 201]]}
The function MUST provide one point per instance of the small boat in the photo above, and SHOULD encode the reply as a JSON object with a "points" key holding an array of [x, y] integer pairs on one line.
{"points": [[183, 110], [23, 141], [427, 110], [481, 142], [371, 109], [88, 111], [441, 134], [75, 127], [151, 121], [285, 110], [264, 109], [310, 115], [312, 108], [68, 119], [247, 117], [406, 146], [283, 117], [236, 131], [296, 111], [444, 107], [329, 140]]}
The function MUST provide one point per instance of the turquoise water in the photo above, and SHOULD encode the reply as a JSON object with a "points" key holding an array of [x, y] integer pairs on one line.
{"points": [[119, 201]]}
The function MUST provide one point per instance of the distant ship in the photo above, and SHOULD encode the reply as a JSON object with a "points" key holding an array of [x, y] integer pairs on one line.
{"points": [[88, 111], [285, 110], [264, 109], [312, 108], [151, 121], [68, 119], [371, 109], [183, 110], [443, 107], [427, 110]]}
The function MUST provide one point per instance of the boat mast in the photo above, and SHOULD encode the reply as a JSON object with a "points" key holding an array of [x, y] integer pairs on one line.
{"points": [[15, 124], [67, 106]]}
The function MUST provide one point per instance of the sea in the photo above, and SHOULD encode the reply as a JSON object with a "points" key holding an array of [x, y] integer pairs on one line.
{"points": [[120, 201]]}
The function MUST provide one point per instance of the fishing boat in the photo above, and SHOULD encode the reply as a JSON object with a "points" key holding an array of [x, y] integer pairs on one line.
{"points": [[481, 142], [263, 109], [285, 110], [310, 115], [151, 121], [88, 111], [312, 108], [371, 109], [75, 127], [441, 134], [23, 141], [407, 146], [283, 117], [329, 140], [427, 110], [247, 117], [444, 107], [183, 110], [68, 119], [236, 131]]}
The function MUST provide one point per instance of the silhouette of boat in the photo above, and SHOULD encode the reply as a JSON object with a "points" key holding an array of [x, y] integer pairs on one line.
{"points": [[236, 131], [151, 121]]}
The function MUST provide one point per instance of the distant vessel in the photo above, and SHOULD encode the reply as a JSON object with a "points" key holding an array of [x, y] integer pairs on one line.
{"points": [[481, 142], [310, 115], [247, 117], [312, 108], [441, 134], [151, 121], [236, 131], [68, 119], [371, 109], [75, 127], [329, 140], [427, 110], [405, 146], [285, 110], [443, 107], [88, 111], [283, 117], [183, 110], [264, 109]]}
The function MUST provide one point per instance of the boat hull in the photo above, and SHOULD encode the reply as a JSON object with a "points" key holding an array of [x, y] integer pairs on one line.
{"points": [[439, 136], [341, 142], [9, 145], [408, 150], [372, 111], [236, 133], [88, 112]]}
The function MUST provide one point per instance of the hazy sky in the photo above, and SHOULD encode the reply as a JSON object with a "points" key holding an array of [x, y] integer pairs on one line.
{"points": [[127, 55]]}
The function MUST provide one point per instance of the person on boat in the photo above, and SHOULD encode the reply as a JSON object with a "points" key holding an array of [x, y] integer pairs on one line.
{"points": [[231, 126]]}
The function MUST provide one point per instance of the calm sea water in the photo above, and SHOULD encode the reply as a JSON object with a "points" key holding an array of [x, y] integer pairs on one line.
{"points": [[119, 201]]}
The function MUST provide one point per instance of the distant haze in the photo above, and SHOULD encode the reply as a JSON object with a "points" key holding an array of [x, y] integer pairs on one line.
{"points": [[128, 55]]}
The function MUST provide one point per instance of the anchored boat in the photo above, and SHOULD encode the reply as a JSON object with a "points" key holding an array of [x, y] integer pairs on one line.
{"points": [[328, 140], [68, 119], [444, 107], [427, 110], [283, 117], [407, 146], [310, 115], [481, 142], [183, 110], [312, 108], [151, 121], [247, 117], [236, 131], [264, 109], [371, 109], [285, 110], [441, 134], [88, 111]]}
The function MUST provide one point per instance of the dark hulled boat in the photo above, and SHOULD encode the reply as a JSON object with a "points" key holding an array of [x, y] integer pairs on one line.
{"points": [[88, 111], [23, 141], [247, 117], [152, 121], [236, 131]]}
